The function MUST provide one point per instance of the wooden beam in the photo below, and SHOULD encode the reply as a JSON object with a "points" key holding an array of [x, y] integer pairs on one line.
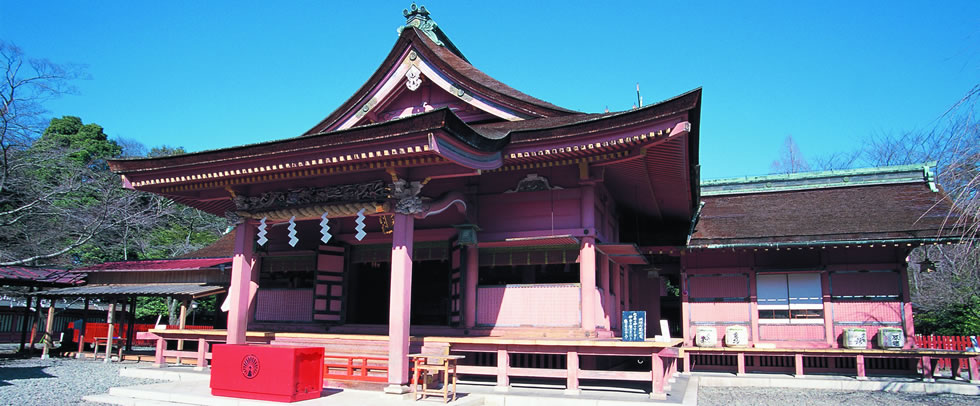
{"points": [[48, 326], [25, 321], [132, 324], [110, 319]]}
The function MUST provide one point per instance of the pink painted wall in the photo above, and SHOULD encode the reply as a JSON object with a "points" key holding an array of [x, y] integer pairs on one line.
{"points": [[720, 312], [855, 292], [645, 296], [526, 211], [868, 312], [606, 217], [792, 332], [729, 286], [553, 305], [865, 283], [284, 305]]}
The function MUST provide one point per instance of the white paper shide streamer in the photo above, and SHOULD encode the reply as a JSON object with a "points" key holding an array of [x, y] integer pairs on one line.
{"points": [[292, 232], [262, 232], [325, 228], [360, 225]]}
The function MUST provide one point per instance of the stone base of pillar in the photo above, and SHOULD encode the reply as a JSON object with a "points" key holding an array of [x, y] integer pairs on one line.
{"points": [[658, 396], [573, 392], [45, 356], [397, 389], [501, 389]]}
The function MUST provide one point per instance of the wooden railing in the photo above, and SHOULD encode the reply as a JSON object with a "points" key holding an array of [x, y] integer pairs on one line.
{"points": [[204, 339], [355, 368], [495, 356], [958, 343]]}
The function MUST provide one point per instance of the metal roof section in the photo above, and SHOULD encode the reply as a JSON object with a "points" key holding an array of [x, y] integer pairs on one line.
{"points": [[189, 290], [19, 275], [191, 264], [885, 175]]}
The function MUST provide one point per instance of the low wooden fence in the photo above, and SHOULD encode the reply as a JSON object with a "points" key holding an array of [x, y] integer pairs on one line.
{"points": [[957, 343]]}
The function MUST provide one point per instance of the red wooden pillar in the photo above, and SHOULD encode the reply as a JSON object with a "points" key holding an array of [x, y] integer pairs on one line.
{"points": [[25, 321], [657, 372], [828, 320], [616, 285], [859, 362], [606, 293], [741, 363], [503, 364], [472, 278], [399, 313], [753, 306], [907, 323], [202, 351], [587, 255], [572, 368], [798, 362], [974, 370], [626, 288], [928, 368], [587, 262], [241, 280], [159, 361]]}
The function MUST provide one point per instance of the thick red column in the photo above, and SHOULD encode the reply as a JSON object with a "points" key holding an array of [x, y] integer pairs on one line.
{"points": [[399, 313], [587, 281], [241, 279], [472, 277], [616, 292], [587, 258], [606, 304]]}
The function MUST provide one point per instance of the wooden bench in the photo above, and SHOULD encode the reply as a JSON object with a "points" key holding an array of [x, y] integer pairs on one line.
{"points": [[929, 357]]}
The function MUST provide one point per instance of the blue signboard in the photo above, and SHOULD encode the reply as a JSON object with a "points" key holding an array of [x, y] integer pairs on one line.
{"points": [[634, 326]]}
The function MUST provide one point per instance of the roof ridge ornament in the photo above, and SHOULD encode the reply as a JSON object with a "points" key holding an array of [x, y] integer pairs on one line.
{"points": [[419, 18]]}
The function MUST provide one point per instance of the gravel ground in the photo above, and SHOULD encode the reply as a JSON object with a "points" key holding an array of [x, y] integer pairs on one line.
{"points": [[711, 396], [58, 381]]}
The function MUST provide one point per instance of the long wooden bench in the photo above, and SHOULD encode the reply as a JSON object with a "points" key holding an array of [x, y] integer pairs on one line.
{"points": [[929, 357]]}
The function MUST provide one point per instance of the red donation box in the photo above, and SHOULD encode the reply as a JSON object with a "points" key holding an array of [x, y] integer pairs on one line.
{"points": [[267, 372]]}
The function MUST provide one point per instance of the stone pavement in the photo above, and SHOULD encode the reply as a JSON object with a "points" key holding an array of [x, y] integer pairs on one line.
{"points": [[189, 387]]}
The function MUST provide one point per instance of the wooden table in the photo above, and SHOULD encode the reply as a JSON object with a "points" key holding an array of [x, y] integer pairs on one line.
{"points": [[434, 362]]}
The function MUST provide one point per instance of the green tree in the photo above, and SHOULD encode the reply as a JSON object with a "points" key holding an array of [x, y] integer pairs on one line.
{"points": [[88, 143]]}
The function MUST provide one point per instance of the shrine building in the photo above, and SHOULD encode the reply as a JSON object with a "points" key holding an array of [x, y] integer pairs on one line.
{"points": [[439, 202]]}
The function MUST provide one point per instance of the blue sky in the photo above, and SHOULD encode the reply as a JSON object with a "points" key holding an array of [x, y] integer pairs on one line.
{"points": [[206, 75]]}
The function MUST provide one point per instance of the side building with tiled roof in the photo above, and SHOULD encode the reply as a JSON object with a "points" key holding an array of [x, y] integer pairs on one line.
{"points": [[794, 260]]}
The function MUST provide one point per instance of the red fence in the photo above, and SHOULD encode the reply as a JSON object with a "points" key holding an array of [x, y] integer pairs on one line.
{"points": [[120, 330], [958, 343]]}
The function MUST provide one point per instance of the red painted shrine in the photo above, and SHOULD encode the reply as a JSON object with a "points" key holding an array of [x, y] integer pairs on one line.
{"points": [[439, 202]]}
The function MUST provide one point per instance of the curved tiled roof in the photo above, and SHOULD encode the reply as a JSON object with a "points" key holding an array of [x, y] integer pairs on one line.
{"points": [[452, 65], [791, 211]]}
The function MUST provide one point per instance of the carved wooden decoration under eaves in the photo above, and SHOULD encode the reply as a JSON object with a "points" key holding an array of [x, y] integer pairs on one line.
{"points": [[363, 192]]}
